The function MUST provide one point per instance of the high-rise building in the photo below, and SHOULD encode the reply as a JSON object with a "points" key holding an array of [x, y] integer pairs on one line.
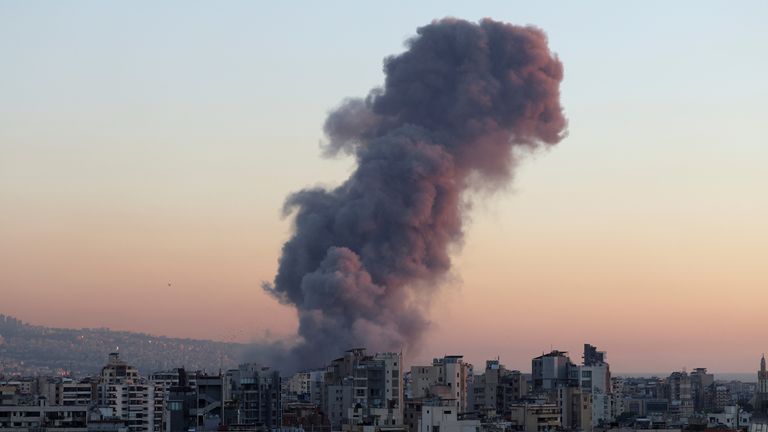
{"points": [[193, 401], [553, 370], [252, 397], [128, 396], [364, 389], [702, 389], [679, 396], [595, 379]]}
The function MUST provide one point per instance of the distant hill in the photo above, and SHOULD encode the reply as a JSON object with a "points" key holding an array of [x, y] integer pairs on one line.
{"points": [[27, 349]]}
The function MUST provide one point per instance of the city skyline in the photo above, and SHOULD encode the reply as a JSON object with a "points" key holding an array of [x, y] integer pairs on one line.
{"points": [[375, 389], [147, 170]]}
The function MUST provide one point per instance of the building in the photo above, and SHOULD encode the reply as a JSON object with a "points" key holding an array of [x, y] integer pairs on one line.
{"points": [[75, 393], [592, 356], [441, 416], [497, 389], [43, 417], [575, 408], [731, 417], [719, 397], [338, 401], [535, 417], [252, 397], [180, 402], [305, 387], [128, 396], [553, 370], [66, 391], [8, 395], [412, 413], [595, 379], [364, 389], [447, 378], [617, 397], [680, 397], [210, 404], [701, 390], [306, 416], [297, 387]]}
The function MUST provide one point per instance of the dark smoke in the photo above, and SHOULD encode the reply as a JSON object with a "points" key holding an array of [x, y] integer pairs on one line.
{"points": [[366, 254]]}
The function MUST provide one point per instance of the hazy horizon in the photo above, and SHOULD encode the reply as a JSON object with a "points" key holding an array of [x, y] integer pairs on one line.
{"points": [[728, 375]]}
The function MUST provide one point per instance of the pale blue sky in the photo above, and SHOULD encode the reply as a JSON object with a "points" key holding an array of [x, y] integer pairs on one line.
{"points": [[147, 141]]}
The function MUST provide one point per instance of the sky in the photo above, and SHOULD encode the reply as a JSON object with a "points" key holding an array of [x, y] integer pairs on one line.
{"points": [[146, 150]]}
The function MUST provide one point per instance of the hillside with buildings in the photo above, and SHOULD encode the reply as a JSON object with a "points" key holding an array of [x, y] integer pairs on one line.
{"points": [[27, 349]]}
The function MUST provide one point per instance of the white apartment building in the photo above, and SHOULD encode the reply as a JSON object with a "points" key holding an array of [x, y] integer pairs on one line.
{"points": [[128, 396], [596, 379]]}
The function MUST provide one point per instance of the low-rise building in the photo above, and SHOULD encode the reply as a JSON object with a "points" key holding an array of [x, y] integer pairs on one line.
{"points": [[53, 418], [535, 417], [442, 416]]}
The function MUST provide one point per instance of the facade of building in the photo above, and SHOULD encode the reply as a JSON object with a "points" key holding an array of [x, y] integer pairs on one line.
{"points": [[575, 408], [42, 416], [128, 396], [731, 417], [412, 413], [535, 417], [497, 388], [592, 356], [701, 389], [252, 397], [441, 416], [364, 389], [447, 378], [596, 380], [679, 394], [553, 370], [75, 393]]}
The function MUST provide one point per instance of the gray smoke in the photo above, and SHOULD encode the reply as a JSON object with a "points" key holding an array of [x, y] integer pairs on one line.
{"points": [[365, 255]]}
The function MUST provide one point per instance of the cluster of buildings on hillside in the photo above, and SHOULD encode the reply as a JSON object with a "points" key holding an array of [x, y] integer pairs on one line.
{"points": [[30, 350], [375, 392]]}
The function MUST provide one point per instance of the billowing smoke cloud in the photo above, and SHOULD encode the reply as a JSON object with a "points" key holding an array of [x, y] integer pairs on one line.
{"points": [[365, 254]]}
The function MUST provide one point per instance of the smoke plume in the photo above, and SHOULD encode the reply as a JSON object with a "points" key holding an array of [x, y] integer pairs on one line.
{"points": [[365, 255]]}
